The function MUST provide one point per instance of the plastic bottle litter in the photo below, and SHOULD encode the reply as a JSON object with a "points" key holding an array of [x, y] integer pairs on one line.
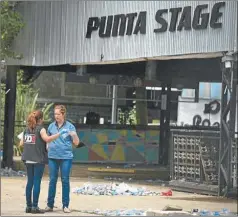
{"points": [[216, 213], [120, 212], [195, 212], [129, 165], [116, 179], [205, 213], [113, 189], [138, 212], [223, 212], [8, 172]]}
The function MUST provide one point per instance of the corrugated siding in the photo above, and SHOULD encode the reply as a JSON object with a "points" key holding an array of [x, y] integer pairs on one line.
{"points": [[55, 33]]}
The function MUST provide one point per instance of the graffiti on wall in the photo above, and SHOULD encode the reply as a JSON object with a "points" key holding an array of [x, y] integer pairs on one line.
{"points": [[118, 146]]}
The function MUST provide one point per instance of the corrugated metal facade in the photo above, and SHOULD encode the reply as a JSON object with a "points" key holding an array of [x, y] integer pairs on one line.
{"points": [[55, 33]]}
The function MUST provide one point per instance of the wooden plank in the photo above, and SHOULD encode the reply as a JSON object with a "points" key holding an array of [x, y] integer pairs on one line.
{"points": [[112, 170]]}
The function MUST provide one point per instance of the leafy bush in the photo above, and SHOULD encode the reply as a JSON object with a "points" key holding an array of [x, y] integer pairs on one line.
{"points": [[26, 102]]}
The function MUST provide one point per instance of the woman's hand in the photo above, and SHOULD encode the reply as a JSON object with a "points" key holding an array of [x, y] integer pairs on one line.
{"points": [[72, 133], [75, 137]]}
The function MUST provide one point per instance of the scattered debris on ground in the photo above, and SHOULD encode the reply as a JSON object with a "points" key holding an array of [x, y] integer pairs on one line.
{"points": [[152, 181], [8, 172], [167, 211], [174, 210], [118, 212], [113, 189]]}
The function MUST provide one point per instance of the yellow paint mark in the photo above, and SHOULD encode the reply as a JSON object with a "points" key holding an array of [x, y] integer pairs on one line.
{"points": [[154, 132], [123, 132], [112, 170], [102, 138], [98, 149], [118, 153]]}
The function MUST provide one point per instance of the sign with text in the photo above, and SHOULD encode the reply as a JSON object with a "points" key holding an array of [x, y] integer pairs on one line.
{"points": [[181, 18], [30, 139], [114, 32]]}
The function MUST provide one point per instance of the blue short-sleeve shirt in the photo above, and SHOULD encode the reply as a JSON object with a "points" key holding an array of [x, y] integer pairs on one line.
{"points": [[60, 148]]}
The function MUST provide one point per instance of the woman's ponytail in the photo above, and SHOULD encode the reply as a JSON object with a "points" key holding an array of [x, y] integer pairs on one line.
{"points": [[33, 118]]}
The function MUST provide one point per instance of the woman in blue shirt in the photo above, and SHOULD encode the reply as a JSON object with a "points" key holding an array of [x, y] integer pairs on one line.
{"points": [[34, 139], [60, 154]]}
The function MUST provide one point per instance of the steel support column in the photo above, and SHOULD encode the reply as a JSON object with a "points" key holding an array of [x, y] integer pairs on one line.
{"points": [[114, 105], [165, 123], [3, 69], [162, 123], [227, 126], [235, 148], [9, 116], [1, 109]]}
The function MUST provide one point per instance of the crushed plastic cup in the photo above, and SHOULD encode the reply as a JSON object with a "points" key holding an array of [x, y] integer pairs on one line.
{"points": [[225, 211], [216, 213], [205, 213], [167, 193]]}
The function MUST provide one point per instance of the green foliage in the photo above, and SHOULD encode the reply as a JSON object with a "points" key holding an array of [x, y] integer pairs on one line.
{"points": [[127, 116], [11, 24], [26, 102]]}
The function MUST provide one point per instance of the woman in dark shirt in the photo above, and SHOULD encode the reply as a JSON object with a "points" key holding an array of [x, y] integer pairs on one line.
{"points": [[34, 155]]}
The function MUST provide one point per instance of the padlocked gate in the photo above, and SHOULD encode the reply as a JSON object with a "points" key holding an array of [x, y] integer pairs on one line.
{"points": [[194, 160]]}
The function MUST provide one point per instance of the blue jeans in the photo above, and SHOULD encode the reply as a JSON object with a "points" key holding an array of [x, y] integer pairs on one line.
{"points": [[65, 168], [34, 177]]}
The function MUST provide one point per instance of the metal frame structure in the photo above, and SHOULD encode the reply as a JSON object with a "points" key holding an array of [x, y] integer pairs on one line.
{"points": [[9, 117], [227, 127], [193, 157], [1, 109], [165, 122], [3, 69]]}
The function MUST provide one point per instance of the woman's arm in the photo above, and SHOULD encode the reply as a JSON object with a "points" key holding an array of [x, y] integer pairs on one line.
{"points": [[20, 137], [75, 137], [21, 143], [47, 138]]}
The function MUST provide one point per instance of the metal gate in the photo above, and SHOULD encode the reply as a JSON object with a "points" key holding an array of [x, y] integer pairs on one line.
{"points": [[195, 157]]}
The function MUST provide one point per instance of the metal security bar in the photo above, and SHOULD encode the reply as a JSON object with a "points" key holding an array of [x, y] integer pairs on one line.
{"points": [[228, 114], [3, 69]]}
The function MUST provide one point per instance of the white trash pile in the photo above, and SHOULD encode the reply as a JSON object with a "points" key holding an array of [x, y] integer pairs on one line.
{"points": [[119, 212], [8, 172], [113, 189], [137, 212]]}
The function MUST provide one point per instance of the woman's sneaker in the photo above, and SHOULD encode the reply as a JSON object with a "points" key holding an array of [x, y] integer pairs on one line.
{"points": [[37, 210], [66, 210], [28, 209], [48, 209]]}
